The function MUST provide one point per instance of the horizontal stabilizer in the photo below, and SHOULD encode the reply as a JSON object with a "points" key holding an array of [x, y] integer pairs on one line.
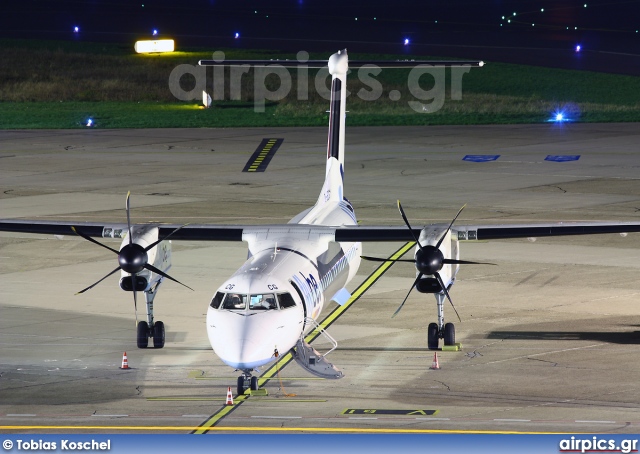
{"points": [[353, 64]]}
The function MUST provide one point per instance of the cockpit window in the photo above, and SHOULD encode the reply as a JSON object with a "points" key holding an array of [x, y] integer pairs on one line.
{"points": [[263, 302], [215, 302], [286, 300], [235, 301]]}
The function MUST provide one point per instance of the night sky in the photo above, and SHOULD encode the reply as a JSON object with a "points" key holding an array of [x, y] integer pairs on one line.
{"points": [[306, 24]]}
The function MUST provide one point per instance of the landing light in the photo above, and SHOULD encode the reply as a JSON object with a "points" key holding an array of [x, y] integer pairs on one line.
{"points": [[159, 45], [559, 117]]}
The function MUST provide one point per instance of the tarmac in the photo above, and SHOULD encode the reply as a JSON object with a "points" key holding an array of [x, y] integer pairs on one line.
{"points": [[550, 337]]}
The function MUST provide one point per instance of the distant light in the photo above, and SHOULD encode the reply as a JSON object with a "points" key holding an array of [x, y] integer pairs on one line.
{"points": [[502, 17], [76, 29], [89, 123], [533, 25], [155, 32], [514, 13], [542, 10], [509, 20], [585, 5], [406, 41], [255, 12], [237, 35], [356, 18], [159, 45], [575, 28], [578, 48], [375, 18], [559, 116]]}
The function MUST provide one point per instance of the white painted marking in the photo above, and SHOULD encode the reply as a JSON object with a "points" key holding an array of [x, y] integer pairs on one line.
{"points": [[21, 414], [196, 416], [111, 416], [422, 418], [277, 417], [512, 420], [596, 422], [357, 417]]}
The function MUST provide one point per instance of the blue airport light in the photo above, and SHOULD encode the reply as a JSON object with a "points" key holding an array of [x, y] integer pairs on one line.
{"points": [[90, 123], [76, 29], [578, 48], [237, 35], [406, 41], [155, 32], [559, 117]]}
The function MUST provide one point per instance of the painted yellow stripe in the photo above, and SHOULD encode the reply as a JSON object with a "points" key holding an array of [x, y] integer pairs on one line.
{"points": [[284, 360], [279, 429]]}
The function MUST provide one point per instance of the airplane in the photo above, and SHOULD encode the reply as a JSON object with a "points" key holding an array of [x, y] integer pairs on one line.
{"points": [[294, 270]]}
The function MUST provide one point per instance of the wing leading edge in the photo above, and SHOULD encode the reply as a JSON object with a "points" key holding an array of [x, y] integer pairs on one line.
{"points": [[219, 232]]}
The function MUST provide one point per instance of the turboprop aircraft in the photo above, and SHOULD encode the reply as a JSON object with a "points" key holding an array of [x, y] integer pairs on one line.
{"points": [[295, 269]]}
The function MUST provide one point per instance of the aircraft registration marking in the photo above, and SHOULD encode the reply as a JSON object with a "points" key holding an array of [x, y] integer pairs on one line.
{"points": [[262, 156], [332, 317]]}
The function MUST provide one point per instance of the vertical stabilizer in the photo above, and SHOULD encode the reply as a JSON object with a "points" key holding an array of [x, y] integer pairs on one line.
{"points": [[333, 185]]}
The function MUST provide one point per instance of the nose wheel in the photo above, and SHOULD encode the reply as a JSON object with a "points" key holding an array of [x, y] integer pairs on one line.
{"points": [[434, 334], [247, 381]]}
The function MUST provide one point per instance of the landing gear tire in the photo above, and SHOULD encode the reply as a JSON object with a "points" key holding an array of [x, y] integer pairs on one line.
{"points": [[241, 387], [158, 335], [449, 334], [254, 383], [143, 334], [432, 336]]}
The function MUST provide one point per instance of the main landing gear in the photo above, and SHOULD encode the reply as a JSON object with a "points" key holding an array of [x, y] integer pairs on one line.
{"points": [[440, 330], [150, 329], [247, 381]]}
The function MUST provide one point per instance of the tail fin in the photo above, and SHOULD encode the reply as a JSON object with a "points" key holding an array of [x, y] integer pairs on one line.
{"points": [[333, 189]]}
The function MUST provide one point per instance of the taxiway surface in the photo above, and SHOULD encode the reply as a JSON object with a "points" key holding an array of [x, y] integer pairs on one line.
{"points": [[550, 336]]}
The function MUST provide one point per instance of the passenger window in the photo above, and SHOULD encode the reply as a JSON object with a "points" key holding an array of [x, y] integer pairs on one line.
{"points": [[263, 302], [215, 302], [235, 301], [286, 300]]}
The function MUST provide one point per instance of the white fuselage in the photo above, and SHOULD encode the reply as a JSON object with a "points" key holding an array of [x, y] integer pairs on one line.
{"points": [[288, 277]]}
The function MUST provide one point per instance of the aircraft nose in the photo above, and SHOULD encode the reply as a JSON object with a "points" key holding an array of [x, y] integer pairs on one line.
{"points": [[248, 340]]}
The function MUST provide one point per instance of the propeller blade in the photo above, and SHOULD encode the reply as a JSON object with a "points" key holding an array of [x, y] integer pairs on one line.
{"points": [[148, 248], [379, 259], [405, 298], [88, 238], [464, 262], [127, 206], [91, 286], [162, 273], [450, 225], [406, 221], [437, 275], [135, 297]]}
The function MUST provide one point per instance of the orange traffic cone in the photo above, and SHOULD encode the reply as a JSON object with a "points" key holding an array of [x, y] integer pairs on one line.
{"points": [[229, 397], [125, 362], [435, 365]]}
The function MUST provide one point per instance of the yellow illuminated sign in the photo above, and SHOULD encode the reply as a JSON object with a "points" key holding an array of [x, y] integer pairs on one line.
{"points": [[158, 45]]}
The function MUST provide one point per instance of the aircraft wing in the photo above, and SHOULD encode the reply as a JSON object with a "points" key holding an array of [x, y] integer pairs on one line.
{"points": [[363, 233]]}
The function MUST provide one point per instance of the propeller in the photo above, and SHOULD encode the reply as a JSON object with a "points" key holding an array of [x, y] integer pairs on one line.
{"points": [[132, 258], [429, 260]]}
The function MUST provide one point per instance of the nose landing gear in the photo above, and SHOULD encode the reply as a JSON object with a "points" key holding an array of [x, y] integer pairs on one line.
{"points": [[247, 381]]}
